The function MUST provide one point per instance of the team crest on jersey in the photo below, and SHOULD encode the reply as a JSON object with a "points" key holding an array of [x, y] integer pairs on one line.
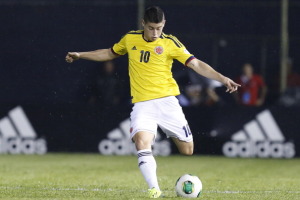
{"points": [[158, 50]]}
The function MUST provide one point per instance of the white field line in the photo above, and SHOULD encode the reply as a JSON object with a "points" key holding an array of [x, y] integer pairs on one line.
{"points": [[252, 192], [111, 190]]}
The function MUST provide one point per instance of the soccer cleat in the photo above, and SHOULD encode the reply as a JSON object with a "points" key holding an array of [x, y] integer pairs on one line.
{"points": [[154, 193]]}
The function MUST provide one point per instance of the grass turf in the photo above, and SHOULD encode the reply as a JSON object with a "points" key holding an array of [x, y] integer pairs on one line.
{"points": [[92, 176]]}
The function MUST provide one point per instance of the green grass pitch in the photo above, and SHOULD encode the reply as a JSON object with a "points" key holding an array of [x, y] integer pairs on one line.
{"points": [[92, 176]]}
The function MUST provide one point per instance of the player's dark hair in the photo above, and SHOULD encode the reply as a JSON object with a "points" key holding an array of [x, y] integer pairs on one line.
{"points": [[154, 14]]}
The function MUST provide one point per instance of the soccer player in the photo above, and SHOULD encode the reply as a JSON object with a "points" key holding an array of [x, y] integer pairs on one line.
{"points": [[153, 89]]}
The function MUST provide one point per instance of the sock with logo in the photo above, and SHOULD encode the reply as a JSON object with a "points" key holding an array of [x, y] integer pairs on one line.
{"points": [[147, 165]]}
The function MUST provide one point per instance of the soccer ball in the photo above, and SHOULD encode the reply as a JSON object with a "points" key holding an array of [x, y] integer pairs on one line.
{"points": [[188, 186]]}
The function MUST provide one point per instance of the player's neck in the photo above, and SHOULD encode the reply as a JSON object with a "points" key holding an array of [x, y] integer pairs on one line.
{"points": [[146, 39], [149, 40]]}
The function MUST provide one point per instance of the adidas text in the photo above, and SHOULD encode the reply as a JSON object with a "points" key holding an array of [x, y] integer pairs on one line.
{"points": [[262, 138], [18, 136]]}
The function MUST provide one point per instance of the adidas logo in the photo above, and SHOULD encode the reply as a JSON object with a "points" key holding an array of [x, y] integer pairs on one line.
{"points": [[118, 142], [134, 48], [18, 136], [142, 163], [260, 137]]}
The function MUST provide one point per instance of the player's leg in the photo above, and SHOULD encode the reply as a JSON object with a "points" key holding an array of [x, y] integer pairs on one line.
{"points": [[172, 121], [185, 148], [147, 164], [143, 132], [143, 140]]}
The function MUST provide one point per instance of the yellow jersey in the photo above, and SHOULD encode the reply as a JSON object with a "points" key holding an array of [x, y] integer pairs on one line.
{"points": [[150, 64]]}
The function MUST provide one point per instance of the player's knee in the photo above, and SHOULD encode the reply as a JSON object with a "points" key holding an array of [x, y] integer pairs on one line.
{"points": [[141, 143], [143, 140]]}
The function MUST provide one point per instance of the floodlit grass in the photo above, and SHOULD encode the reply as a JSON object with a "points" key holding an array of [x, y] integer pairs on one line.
{"points": [[92, 176]]}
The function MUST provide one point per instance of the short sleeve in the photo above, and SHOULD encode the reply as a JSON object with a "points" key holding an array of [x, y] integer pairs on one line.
{"points": [[179, 52], [120, 47]]}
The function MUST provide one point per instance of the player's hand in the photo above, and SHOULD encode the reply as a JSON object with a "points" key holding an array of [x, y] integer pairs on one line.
{"points": [[231, 85], [72, 56]]}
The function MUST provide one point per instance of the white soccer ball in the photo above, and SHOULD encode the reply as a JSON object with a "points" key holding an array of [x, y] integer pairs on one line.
{"points": [[188, 186]]}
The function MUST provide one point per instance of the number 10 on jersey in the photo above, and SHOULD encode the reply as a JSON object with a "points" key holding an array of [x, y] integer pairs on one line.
{"points": [[187, 130], [145, 55]]}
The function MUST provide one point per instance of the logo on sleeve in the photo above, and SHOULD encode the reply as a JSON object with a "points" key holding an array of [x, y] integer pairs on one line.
{"points": [[158, 50]]}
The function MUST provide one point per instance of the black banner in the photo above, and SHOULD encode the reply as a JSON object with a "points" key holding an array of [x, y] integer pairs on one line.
{"points": [[230, 131]]}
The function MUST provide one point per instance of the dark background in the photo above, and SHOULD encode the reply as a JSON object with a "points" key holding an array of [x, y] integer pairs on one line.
{"points": [[36, 35]]}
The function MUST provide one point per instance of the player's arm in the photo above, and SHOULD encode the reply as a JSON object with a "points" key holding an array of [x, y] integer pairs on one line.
{"points": [[97, 55], [205, 70]]}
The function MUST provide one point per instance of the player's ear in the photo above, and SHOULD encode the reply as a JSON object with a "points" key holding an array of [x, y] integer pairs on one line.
{"points": [[143, 23]]}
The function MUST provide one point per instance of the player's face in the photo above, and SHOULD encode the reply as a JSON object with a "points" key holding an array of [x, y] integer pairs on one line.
{"points": [[152, 31]]}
